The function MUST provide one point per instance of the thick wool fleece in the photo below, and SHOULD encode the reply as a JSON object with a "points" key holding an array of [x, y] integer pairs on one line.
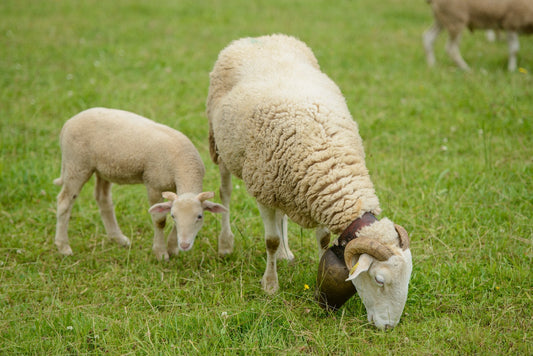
{"points": [[383, 228], [283, 126], [126, 148]]}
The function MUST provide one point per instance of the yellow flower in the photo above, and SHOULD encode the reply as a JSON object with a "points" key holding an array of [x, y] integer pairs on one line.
{"points": [[522, 70], [306, 287]]}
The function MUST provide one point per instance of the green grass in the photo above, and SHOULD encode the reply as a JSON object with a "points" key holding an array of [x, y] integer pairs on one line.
{"points": [[450, 154]]}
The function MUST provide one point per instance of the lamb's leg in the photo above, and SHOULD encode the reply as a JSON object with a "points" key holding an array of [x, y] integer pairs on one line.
{"points": [[514, 46], [429, 37], [159, 247], [226, 238], [65, 200], [102, 194], [284, 251], [452, 47], [272, 240], [322, 237]]}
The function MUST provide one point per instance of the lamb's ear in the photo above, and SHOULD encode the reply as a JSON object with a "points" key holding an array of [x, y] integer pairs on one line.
{"points": [[205, 195], [160, 208], [213, 207], [170, 196], [365, 260]]}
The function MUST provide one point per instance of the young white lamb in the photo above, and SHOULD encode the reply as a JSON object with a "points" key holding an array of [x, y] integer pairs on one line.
{"points": [[513, 16], [283, 127], [125, 148]]}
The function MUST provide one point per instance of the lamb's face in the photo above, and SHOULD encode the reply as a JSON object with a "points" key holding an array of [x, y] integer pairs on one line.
{"points": [[382, 286], [188, 215]]}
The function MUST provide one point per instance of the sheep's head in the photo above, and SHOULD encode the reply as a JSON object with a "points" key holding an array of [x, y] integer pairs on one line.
{"points": [[380, 265], [187, 211]]}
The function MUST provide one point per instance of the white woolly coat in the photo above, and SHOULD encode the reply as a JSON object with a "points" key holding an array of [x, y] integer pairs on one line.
{"points": [[283, 126]]}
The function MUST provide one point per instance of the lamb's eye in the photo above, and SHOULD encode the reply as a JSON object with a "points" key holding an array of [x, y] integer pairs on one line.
{"points": [[200, 216], [380, 280]]}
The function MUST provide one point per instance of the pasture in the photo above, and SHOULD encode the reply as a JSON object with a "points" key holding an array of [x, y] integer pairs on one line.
{"points": [[450, 155]]}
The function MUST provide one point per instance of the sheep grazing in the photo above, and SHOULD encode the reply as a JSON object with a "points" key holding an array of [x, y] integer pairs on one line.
{"points": [[125, 148], [283, 127], [513, 16]]}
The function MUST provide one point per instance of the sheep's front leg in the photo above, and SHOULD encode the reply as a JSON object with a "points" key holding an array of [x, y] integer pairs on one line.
{"points": [[284, 252], [322, 237], [514, 46], [272, 240], [159, 247], [429, 37], [102, 194], [226, 238], [452, 47]]}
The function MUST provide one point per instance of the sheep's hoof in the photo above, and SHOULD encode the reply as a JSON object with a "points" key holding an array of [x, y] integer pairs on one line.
{"points": [[173, 251], [161, 255], [225, 244], [121, 240], [65, 250], [284, 254], [270, 285]]}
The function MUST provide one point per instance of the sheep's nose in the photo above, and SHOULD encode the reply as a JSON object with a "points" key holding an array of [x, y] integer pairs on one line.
{"points": [[185, 246]]}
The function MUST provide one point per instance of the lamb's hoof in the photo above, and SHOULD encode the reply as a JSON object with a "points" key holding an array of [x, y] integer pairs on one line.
{"points": [[225, 244], [223, 252], [173, 251], [121, 240], [270, 286], [161, 255], [65, 250]]}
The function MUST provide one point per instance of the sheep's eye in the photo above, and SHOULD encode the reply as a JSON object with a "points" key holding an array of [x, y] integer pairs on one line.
{"points": [[380, 280], [200, 217]]}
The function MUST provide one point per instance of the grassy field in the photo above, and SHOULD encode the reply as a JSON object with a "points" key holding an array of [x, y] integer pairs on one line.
{"points": [[450, 154]]}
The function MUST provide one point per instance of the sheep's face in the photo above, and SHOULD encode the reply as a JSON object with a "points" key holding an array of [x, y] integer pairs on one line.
{"points": [[188, 215], [187, 211], [382, 286]]}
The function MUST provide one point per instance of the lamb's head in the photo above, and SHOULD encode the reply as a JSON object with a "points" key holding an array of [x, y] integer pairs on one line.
{"points": [[380, 265], [187, 211]]}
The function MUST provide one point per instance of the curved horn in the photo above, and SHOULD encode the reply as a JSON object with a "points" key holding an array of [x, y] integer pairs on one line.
{"points": [[366, 245], [404, 237]]}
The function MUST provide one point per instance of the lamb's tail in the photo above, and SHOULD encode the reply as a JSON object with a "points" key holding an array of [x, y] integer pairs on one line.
{"points": [[58, 181]]}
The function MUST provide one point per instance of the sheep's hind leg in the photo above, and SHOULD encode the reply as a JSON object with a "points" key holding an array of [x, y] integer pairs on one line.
{"points": [[284, 252], [272, 240], [102, 194], [65, 200], [159, 248], [452, 47], [514, 45], [226, 237]]}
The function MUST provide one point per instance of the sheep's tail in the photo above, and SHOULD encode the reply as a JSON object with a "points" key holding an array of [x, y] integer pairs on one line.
{"points": [[58, 181]]}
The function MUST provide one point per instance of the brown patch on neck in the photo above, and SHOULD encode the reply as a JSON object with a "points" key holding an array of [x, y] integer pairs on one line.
{"points": [[351, 231]]}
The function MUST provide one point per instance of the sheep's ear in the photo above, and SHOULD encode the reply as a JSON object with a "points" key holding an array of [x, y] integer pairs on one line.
{"points": [[170, 196], [161, 208], [205, 195], [213, 207], [365, 260]]}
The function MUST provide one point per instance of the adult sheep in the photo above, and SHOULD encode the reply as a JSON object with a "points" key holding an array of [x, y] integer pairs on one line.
{"points": [[513, 16], [122, 147], [282, 126]]}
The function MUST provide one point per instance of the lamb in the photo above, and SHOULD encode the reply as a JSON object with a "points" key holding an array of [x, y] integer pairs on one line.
{"points": [[283, 127], [513, 16], [125, 148]]}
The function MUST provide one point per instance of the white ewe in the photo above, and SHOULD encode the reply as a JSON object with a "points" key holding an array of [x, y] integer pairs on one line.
{"points": [[125, 148], [513, 16], [282, 126]]}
